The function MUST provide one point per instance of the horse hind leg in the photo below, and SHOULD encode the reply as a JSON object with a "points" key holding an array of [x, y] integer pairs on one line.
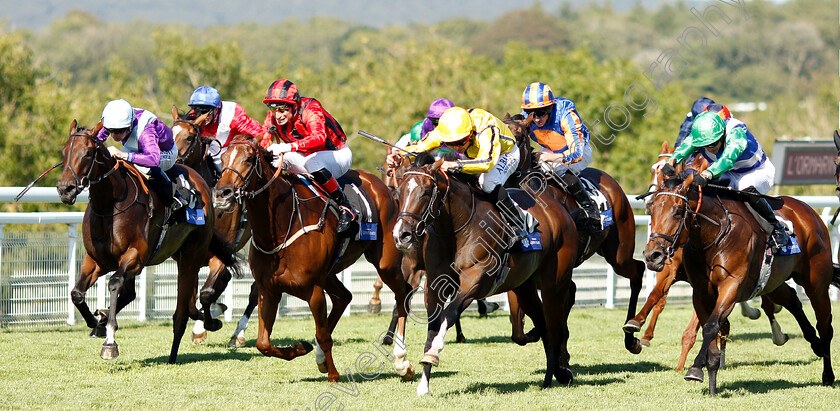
{"points": [[88, 275], [769, 307], [323, 333], [213, 287], [267, 306], [110, 350]]}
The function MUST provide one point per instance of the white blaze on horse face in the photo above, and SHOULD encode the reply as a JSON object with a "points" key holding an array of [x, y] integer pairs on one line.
{"points": [[176, 129], [411, 185]]}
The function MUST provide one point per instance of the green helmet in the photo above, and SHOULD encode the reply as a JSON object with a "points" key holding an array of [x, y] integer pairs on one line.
{"points": [[707, 129], [415, 131]]}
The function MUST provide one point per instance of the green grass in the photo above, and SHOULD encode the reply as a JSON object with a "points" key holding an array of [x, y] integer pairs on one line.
{"points": [[61, 368]]}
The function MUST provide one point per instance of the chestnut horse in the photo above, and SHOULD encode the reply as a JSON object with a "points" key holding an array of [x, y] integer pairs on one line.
{"points": [[464, 241], [122, 230], [723, 249], [673, 272], [230, 225], [295, 248], [615, 243]]}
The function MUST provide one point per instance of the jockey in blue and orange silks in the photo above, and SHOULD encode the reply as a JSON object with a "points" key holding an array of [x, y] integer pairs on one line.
{"points": [[558, 128]]}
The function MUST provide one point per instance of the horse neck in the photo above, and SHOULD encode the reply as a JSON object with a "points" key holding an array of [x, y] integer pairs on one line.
{"points": [[702, 233], [108, 192], [457, 209]]}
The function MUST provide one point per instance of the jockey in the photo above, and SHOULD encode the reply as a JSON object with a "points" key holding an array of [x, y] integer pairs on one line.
{"points": [[736, 158], [147, 143], [423, 127], [485, 146], [226, 118], [557, 127], [312, 140], [698, 107]]}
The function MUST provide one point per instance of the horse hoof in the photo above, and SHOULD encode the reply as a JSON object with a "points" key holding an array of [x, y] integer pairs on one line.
{"points": [[631, 327], [387, 340], [564, 376], [460, 339], [492, 307], [409, 373], [694, 374], [645, 343], [635, 347], [199, 338], [322, 367], [109, 351], [217, 309], [98, 331], [828, 378], [236, 342], [430, 359], [374, 308], [213, 325], [781, 340], [302, 347]]}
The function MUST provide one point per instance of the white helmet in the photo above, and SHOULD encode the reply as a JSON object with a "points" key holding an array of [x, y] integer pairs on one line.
{"points": [[117, 114]]}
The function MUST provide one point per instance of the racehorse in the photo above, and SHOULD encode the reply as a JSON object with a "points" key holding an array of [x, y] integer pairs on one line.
{"points": [[615, 243], [723, 252], [230, 225], [464, 245], [673, 272], [295, 248], [124, 230]]}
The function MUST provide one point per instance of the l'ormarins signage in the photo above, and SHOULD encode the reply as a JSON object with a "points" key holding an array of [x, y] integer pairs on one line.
{"points": [[804, 161]]}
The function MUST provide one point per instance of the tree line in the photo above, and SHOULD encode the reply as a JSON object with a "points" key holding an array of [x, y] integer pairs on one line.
{"points": [[382, 79]]}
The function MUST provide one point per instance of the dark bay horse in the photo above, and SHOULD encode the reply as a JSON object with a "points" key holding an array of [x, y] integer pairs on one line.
{"points": [[122, 230], [723, 249], [230, 225], [295, 249], [673, 272], [616, 243], [464, 245]]}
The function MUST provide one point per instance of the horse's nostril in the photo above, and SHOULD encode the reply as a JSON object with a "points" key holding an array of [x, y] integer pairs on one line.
{"points": [[405, 237]]}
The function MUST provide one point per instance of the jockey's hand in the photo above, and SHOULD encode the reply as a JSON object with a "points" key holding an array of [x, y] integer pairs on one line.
{"points": [[450, 165], [280, 148], [393, 160], [702, 179], [553, 157], [116, 153], [668, 170]]}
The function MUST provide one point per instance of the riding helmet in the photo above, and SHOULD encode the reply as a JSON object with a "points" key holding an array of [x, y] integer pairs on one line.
{"points": [[117, 114], [206, 96], [707, 129], [454, 125], [537, 95]]}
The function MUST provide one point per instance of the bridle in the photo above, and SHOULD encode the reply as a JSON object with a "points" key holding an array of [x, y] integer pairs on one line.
{"points": [[194, 140], [240, 193], [685, 211], [85, 181], [431, 212]]}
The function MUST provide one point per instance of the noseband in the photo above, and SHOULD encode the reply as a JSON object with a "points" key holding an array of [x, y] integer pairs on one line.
{"points": [[430, 213], [669, 250]]}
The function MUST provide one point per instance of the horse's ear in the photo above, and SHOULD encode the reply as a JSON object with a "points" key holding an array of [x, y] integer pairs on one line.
{"points": [[436, 165], [689, 179], [507, 117], [207, 139], [175, 115], [665, 147], [97, 128], [528, 121], [202, 120], [73, 126]]}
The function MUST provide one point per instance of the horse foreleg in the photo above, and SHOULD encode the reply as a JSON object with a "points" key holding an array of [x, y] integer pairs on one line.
{"points": [[375, 303], [525, 300], [323, 332], [267, 306], [638, 269], [769, 307], [654, 305], [709, 355], [749, 312], [88, 275], [238, 337]]}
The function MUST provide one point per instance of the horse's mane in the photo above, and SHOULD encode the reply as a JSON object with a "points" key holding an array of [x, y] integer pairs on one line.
{"points": [[424, 158]]}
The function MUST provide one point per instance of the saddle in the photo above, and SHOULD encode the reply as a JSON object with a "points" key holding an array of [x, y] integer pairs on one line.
{"points": [[364, 227]]}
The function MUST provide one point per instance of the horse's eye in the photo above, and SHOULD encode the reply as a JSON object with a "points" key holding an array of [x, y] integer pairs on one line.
{"points": [[679, 213], [88, 154]]}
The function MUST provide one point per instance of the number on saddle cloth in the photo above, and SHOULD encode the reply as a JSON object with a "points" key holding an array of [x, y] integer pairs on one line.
{"points": [[525, 201]]}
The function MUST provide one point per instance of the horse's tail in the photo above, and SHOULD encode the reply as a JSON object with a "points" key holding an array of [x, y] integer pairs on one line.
{"points": [[226, 253], [835, 279]]}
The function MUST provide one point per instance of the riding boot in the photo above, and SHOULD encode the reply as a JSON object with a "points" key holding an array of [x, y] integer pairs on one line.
{"points": [[762, 207], [575, 189], [326, 180], [509, 211], [180, 191], [160, 183]]}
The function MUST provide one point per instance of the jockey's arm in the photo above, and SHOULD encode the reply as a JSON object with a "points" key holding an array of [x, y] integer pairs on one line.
{"points": [[736, 143], [576, 139], [682, 152], [489, 150], [148, 154]]}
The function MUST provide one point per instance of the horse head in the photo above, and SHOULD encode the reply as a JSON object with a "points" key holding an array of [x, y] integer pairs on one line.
{"points": [[422, 190], [668, 210], [520, 127], [185, 130], [246, 163], [84, 158]]}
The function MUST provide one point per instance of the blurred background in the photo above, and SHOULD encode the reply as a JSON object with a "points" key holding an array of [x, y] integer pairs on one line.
{"points": [[376, 66]]}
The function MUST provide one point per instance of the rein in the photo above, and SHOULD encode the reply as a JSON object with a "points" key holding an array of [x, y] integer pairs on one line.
{"points": [[240, 193], [670, 249]]}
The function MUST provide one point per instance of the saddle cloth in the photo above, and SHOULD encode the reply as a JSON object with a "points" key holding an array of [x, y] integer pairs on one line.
{"points": [[792, 246], [367, 217], [524, 201]]}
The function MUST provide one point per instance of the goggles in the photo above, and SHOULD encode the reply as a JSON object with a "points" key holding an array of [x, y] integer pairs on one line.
{"points": [[278, 107]]}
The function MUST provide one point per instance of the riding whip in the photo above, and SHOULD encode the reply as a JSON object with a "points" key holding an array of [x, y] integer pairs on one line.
{"points": [[380, 140], [28, 186], [835, 216]]}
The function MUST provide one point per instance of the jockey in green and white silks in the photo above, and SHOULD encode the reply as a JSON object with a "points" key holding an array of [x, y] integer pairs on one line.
{"points": [[736, 159]]}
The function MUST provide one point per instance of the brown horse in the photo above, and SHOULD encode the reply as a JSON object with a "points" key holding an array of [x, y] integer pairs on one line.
{"points": [[464, 245], [673, 272], [723, 249], [230, 225], [616, 243], [122, 229], [295, 248]]}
